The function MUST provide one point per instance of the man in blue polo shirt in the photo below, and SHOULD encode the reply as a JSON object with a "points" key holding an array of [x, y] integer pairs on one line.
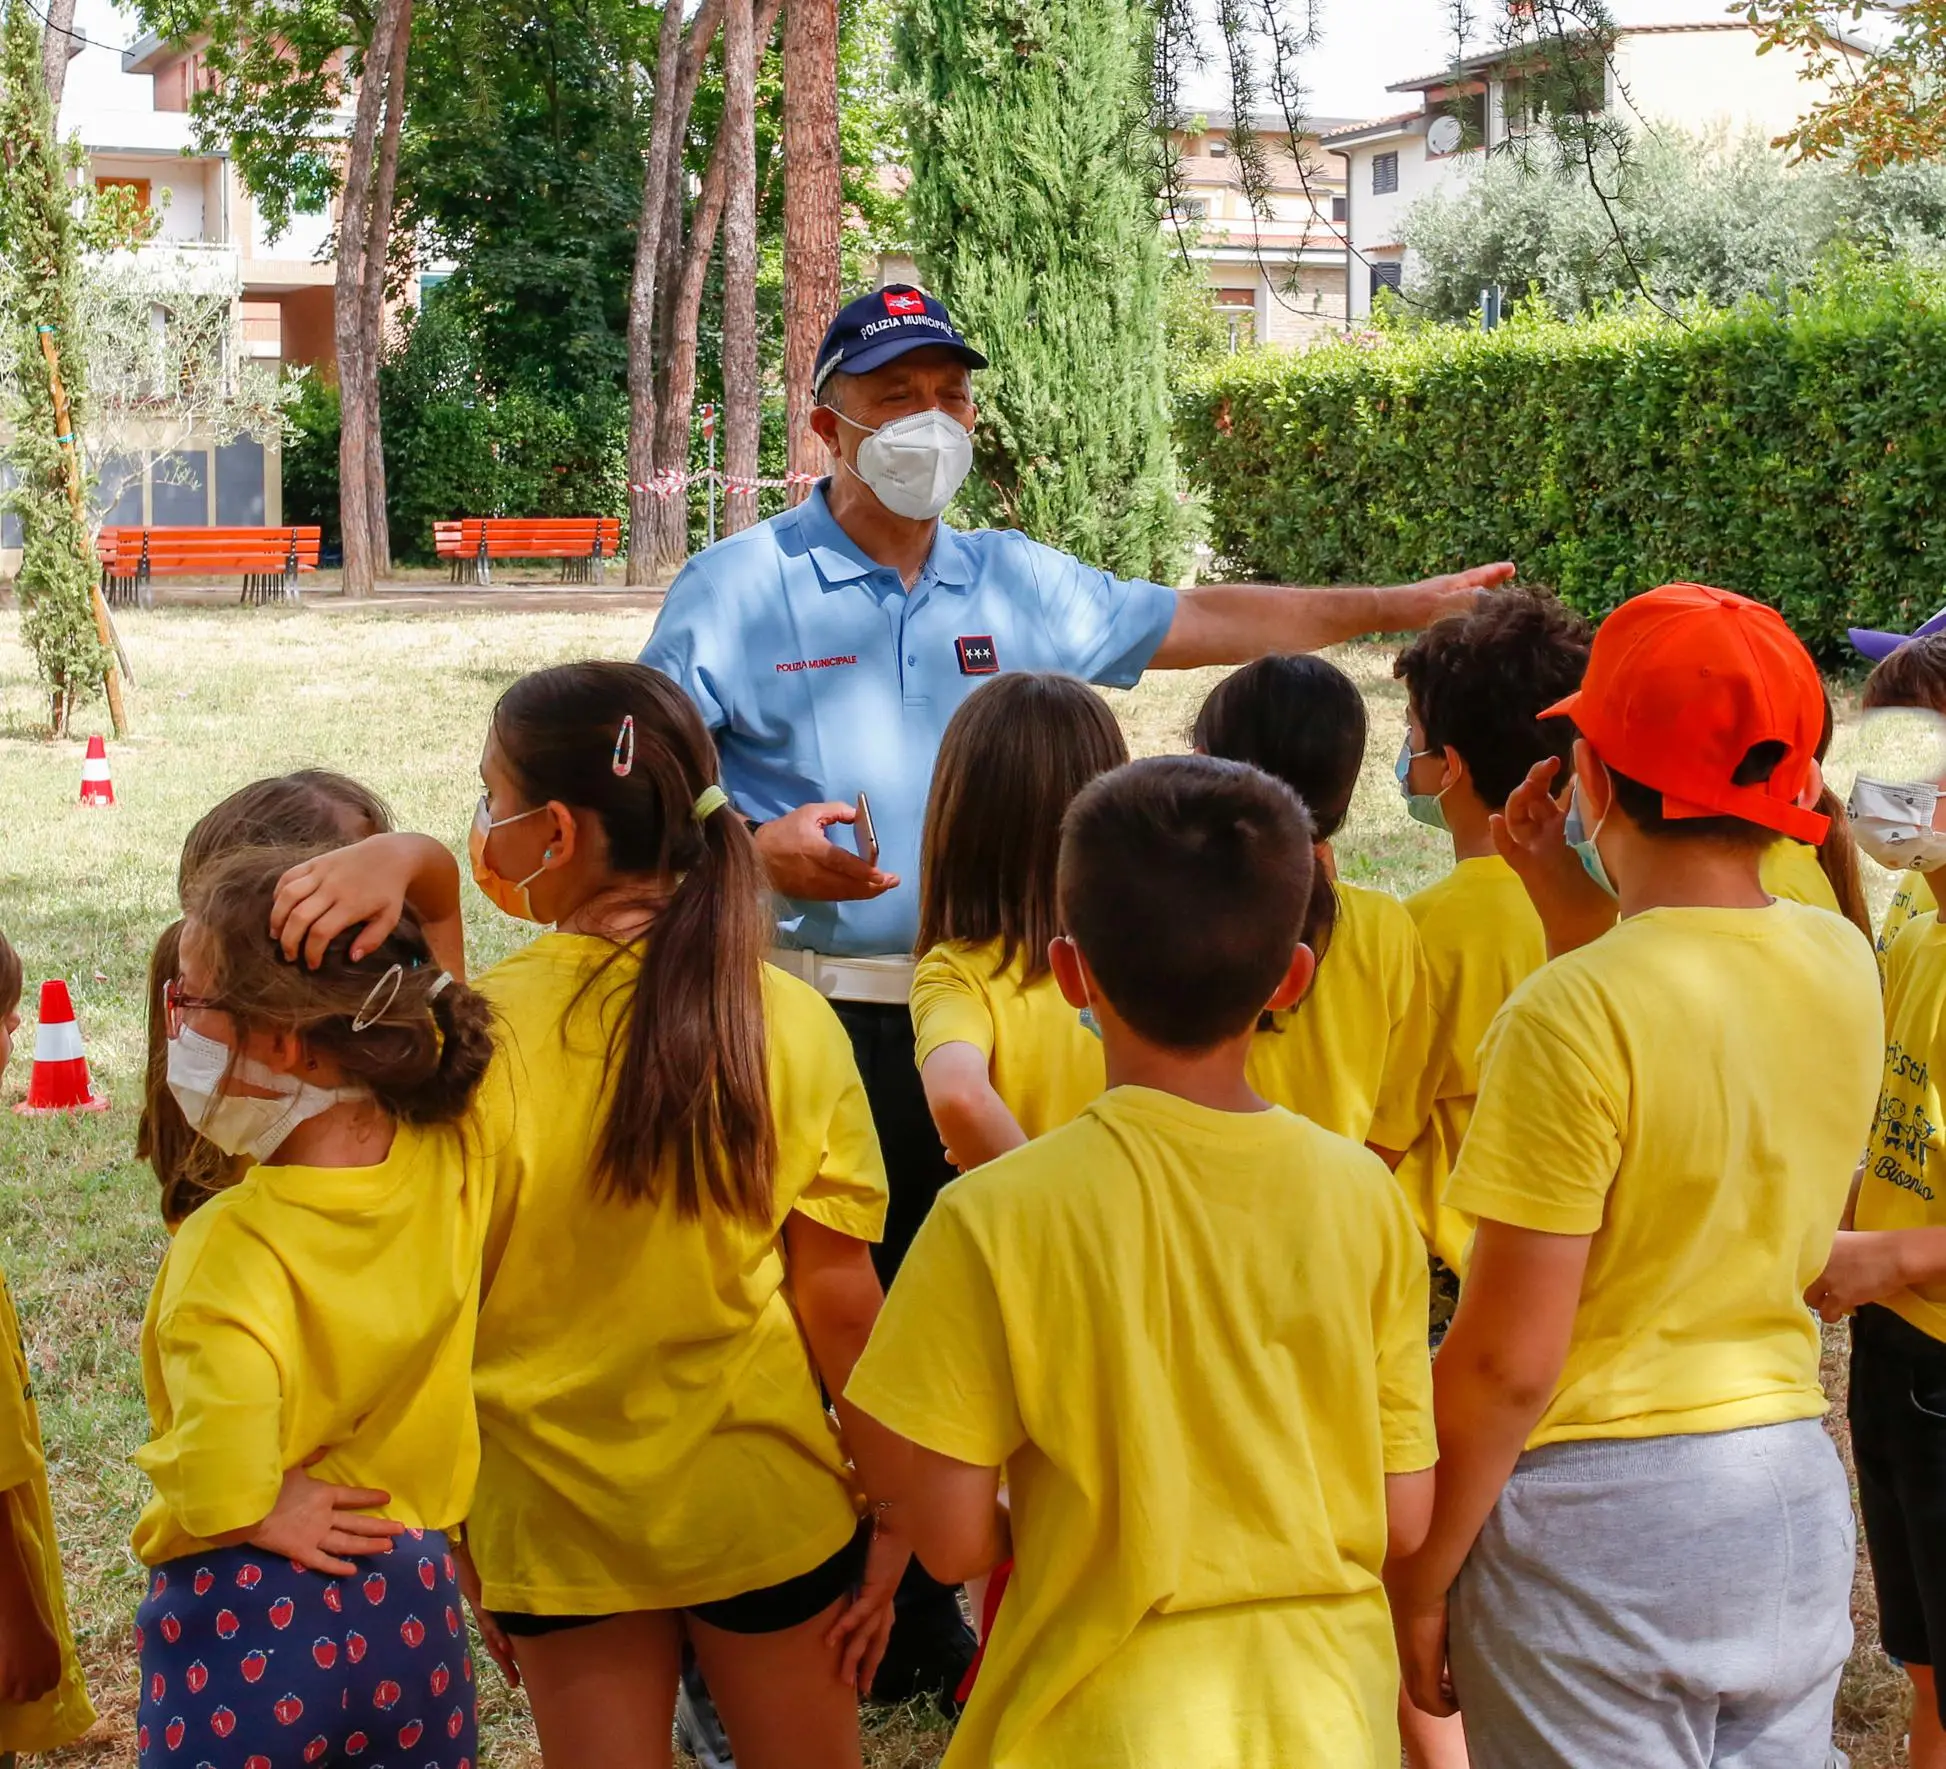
{"points": [[828, 647]]}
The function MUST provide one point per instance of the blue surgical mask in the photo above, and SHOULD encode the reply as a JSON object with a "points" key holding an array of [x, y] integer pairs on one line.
{"points": [[1421, 807], [1581, 838], [1089, 1023]]}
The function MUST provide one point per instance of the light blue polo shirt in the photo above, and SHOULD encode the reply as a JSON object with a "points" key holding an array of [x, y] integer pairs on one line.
{"points": [[821, 676]]}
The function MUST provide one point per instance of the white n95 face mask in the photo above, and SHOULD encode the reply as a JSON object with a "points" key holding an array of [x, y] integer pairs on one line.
{"points": [[240, 1123], [916, 463], [1892, 821]]}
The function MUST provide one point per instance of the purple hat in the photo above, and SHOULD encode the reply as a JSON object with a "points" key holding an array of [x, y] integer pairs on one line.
{"points": [[1878, 646]]}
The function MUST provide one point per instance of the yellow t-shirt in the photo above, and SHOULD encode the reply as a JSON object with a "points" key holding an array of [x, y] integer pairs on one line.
{"points": [[1790, 870], [1692, 1090], [1042, 1062], [64, 1713], [1354, 1054], [1903, 1178], [652, 1430], [1912, 899], [1482, 940], [309, 1308], [1196, 1341]]}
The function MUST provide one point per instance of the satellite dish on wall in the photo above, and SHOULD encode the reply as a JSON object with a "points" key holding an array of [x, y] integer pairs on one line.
{"points": [[1443, 135]]}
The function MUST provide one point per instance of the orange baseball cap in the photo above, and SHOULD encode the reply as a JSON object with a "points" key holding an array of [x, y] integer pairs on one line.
{"points": [[1682, 683]]}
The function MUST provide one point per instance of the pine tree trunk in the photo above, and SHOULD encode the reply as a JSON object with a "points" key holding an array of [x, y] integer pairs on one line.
{"points": [[372, 298], [358, 436], [741, 411], [57, 49], [813, 205]]}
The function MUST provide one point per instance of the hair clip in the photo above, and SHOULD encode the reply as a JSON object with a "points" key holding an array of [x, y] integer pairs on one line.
{"points": [[709, 801], [368, 1015], [438, 983], [623, 760]]}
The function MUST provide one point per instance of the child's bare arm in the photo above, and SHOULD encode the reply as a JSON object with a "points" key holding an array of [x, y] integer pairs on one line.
{"points": [[1870, 1265], [1493, 1378], [972, 1120], [954, 1515], [30, 1655], [1530, 835], [370, 883], [1408, 1513]]}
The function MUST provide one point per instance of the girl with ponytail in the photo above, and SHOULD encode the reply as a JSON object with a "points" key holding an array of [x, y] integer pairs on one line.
{"points": [[678, 1265], [1353, 1054], [308, 1347]]}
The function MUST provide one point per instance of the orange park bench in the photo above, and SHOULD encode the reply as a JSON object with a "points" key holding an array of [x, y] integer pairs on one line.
{"points": [[268, 559], [583, 544]]}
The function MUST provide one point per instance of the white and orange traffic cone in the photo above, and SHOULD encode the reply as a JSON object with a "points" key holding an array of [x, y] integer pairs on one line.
{"points": [[96, 787], [60, 1082]]}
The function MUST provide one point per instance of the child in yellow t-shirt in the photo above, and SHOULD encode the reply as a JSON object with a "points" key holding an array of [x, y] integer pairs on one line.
{"points": [[1631, 1452], [1911, 675], [1002, 1055], [1476, 685], [43, 1701], [308, 1348], [678, 1264], [1354, 1055], [1889, 1262], [310, 808], [1187, 1329]]}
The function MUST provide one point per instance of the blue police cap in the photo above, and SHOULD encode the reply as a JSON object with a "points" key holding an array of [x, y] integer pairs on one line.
{"points": [[876, 328]]}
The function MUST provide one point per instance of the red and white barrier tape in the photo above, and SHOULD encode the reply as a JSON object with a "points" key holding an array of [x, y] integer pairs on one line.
{"points": [[672, 480]]}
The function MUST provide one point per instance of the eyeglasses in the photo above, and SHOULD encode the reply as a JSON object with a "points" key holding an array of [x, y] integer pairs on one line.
{"points": [[176, 1002]]}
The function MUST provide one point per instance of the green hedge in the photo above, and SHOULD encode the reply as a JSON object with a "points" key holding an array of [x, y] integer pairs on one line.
{"points": [[1796, 453]]}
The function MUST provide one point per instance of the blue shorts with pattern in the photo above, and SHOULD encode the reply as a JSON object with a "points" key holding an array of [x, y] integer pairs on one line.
{"points": [[252, 1662]]}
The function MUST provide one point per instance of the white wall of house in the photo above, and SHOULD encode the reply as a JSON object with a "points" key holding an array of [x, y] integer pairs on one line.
{"points": [[1711, 79]]}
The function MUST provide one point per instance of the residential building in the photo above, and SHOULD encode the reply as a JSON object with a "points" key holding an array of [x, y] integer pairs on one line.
{"points": [[1689, 67], [1278, 279]]}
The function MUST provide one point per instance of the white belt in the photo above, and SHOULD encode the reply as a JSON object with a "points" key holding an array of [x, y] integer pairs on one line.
{"points": [[887, 980]]}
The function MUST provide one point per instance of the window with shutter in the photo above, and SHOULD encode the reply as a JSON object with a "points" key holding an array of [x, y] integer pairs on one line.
{"points": [[1385, 174], [1387, 276]]}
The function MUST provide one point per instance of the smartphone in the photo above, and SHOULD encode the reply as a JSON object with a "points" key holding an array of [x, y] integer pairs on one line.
{"points": [[863, 833]]}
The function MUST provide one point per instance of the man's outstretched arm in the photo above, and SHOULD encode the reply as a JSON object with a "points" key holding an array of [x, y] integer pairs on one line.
{"points": [[1235, 623]]}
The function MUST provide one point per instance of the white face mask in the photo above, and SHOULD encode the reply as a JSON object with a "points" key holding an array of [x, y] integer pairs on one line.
{"points": [[915, 464], [1892, 821], [240, 1123]]}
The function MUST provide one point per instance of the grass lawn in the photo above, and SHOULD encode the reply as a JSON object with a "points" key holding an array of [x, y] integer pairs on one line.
{"points": [[398, 697]]}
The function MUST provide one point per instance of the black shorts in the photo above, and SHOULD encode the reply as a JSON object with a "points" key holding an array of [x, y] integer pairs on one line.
{"points": [[769, 1611], [1898, 1441]]}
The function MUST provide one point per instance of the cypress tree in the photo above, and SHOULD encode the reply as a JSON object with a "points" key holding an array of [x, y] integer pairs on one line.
{"points": [[1034, 217], [38, 268]]}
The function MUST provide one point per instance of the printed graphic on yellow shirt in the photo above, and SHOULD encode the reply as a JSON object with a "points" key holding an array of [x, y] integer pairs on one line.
{"points": [[1182, 1523], [1912, 898], [1901, 1183], [64, 1713], [1691, 1091], [1041, 1061], [1353, 1054], [1482, 940], [653, 1434]]}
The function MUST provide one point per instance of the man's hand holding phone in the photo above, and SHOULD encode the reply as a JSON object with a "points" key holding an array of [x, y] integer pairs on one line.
{"points": [[804, 862]]}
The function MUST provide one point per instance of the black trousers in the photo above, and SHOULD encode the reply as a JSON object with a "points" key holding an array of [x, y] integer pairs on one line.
{"points": [[931, 1645], [915, 1163]]}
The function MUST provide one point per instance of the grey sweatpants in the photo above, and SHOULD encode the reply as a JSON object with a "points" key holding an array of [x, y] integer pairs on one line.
{"points": [[1663, 1603]]}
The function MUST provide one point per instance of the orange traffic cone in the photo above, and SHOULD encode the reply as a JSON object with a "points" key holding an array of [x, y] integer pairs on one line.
{"points": [[60, 1081], [96, 787]]}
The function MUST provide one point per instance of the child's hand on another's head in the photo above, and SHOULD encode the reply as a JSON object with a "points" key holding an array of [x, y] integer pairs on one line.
{"points": [[317, 1524], [318, 899]]}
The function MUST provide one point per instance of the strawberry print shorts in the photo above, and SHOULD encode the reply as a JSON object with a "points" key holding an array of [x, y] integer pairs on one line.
{"points": [[251, 1662]]}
